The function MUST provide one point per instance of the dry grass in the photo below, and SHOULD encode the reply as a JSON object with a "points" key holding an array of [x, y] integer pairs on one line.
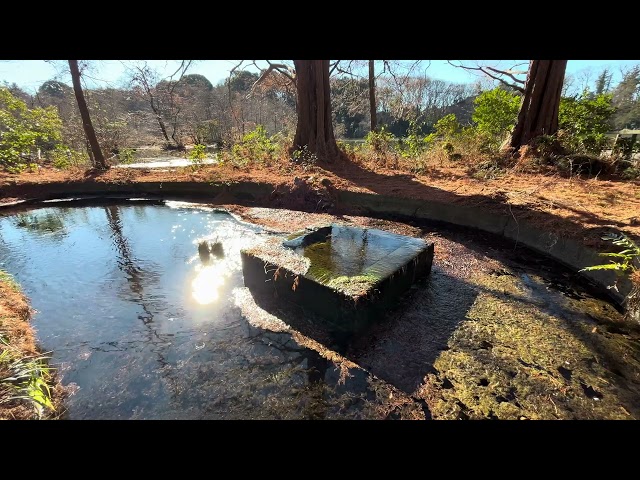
{"points": [[19, 344], [14, 316]]}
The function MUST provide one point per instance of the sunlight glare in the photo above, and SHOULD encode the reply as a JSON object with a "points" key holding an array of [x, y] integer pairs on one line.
{"points": [[208, 280]]}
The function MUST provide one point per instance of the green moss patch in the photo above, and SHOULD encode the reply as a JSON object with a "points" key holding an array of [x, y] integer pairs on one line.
{"points": [[515, 358]]}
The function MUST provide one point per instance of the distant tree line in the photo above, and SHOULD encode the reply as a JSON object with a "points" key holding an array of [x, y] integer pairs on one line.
{"points": [[185, 108]]}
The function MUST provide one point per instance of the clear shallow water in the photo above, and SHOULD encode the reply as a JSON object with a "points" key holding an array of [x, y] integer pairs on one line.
{"points": [[143, 330], [352, 251]]}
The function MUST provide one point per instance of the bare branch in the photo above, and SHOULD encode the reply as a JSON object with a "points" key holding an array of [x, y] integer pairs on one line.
{"points": [[399, 82], [346, 71], [278, 67], [509, 73], [182, 69], [235, 68], [484, 70]]}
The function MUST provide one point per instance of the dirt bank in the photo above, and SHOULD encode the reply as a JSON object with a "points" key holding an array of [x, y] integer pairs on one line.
{"points": [[19, 343], [578, 208]]}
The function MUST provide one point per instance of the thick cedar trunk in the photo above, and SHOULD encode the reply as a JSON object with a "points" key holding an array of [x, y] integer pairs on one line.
{"points": [[98, 158], [315, 128], [372, 96], [540, 103]]}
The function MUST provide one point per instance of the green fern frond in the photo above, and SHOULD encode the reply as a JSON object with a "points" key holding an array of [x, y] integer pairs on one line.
{"points": [[608, 266], [626, 257]]}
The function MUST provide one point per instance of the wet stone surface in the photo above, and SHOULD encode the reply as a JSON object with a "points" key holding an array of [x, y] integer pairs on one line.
{"points": [[351, 275], [346, 251]]}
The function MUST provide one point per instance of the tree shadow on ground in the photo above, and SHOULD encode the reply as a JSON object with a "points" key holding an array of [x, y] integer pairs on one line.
{"points": [[401, 347], [405, 185]]}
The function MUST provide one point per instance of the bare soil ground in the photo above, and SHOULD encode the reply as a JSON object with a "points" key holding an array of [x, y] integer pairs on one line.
{"points": [[578, 207]]}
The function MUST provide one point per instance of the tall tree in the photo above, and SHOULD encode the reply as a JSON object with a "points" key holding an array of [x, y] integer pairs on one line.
{"points": [[603, 83], [626, 99], [161, 95], [315, 128], [372, 95], [98, 159], [540, 103]]}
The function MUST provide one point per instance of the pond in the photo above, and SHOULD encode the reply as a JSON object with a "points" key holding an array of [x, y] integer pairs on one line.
{"points": [[140, 328]]}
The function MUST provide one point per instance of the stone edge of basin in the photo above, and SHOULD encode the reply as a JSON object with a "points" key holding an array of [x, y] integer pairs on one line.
{"points": [[567, 251], [341, 311]]}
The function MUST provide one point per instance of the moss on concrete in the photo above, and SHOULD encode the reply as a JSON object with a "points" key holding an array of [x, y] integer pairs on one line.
{"points": [[516, 357], [354, 286]]}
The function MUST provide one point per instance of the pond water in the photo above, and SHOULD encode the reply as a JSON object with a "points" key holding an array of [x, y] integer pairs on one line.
{"points": [[350, 251], [140, 328]]}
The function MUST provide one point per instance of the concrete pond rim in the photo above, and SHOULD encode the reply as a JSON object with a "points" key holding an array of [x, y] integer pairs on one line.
{"points": [[567, 251]]}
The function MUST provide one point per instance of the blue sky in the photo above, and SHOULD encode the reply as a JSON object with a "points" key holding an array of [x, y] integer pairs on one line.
{"points": [[30, 74]]}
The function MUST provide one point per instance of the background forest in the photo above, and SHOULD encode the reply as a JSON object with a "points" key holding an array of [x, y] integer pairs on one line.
{"points": [[391, 114]]}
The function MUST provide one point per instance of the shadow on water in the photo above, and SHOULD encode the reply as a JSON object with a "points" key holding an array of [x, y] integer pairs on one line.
{"points": [[136, 279], [117, 306], [402, 347], [311, 364]]}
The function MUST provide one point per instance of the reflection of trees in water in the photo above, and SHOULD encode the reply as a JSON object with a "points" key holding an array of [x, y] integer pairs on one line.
{"points": [[140, 212], [291, 359], [44, 226], [46, 223], [53, 222], [136, 279], [350, 249]]}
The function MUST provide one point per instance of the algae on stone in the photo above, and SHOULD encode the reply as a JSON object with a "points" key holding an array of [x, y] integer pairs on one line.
{"points": [[516, 358], [354, 286]]}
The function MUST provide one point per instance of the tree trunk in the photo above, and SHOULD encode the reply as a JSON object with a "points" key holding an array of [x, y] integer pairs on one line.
{"points": [[90, 133], [152, 104], [163, 128], [315, 128], [89, 152], [372, 96], [540, 103]]}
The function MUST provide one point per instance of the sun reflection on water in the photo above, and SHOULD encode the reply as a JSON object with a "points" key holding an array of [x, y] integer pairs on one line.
{"points": [[209, 278]]}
